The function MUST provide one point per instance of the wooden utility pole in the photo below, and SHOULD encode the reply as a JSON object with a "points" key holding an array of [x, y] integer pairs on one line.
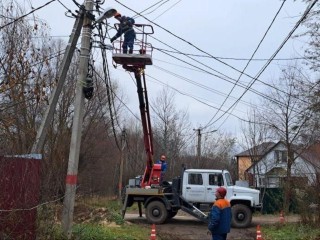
{"points": [[72, 174]]}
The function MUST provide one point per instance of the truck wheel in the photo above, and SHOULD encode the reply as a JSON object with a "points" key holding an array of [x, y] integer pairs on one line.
{"points": [[156, 212], [241, 216]]}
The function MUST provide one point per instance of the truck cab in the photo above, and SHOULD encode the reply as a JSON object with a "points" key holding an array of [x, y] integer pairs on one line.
{"points": [[199, 186]]}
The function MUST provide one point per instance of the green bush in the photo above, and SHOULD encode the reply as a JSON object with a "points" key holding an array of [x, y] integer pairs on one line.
{"points": [[292, 231]]}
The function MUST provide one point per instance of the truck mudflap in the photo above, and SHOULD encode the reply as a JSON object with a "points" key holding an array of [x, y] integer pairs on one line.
{"points": [[192, 210]]}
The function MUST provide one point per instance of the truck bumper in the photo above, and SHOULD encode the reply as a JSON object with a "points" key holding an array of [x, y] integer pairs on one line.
{"points": [[258, 207]]}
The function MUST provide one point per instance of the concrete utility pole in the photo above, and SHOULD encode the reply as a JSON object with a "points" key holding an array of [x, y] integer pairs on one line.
{"points": [[123, 144], [48, 116], [198, 147], [71, 179]]}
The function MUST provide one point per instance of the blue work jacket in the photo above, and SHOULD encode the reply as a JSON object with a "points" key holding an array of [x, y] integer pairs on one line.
{"points": [[220, 217]]}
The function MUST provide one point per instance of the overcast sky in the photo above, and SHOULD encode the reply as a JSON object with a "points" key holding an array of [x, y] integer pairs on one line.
{"points": [[220, 28]]}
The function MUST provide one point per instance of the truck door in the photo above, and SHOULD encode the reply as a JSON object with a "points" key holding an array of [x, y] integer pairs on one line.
{"points": [[194, 190], [215, 180]]}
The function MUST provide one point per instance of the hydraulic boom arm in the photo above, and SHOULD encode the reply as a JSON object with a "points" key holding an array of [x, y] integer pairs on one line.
{"points": [[152, 172]]}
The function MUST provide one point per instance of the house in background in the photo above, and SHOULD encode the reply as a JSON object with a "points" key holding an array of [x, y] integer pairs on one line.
{"points": [[270, 170], [245, 159]]}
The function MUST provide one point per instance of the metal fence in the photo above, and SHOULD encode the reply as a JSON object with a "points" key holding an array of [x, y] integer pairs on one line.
{"points": [[19, 197]]}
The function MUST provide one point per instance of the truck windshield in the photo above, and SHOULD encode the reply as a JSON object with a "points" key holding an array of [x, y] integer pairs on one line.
{"points": [[228, 179]]}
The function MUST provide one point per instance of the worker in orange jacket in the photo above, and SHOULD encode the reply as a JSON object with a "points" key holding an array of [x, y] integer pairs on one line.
{"points": [[220, 216]]}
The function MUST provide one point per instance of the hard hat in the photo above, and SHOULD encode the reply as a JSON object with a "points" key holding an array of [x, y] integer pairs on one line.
{"points": [[222, 191], [163, 157], [117, 15]]}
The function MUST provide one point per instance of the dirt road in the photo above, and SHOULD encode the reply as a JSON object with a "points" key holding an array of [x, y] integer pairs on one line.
{"points": [[189, 228]]}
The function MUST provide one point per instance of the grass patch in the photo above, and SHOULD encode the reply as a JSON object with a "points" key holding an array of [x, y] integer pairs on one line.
{"points": [[124, 232], [101, 232], [94, 218], [292, 231]]}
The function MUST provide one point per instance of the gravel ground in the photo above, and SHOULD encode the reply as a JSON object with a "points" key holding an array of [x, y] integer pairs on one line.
{"points": [[185, 227]]}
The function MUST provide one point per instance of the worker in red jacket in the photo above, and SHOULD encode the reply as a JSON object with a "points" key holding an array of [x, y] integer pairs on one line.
{"points": [[220, 216]]}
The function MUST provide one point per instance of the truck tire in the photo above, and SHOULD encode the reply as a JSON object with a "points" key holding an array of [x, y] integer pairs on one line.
{"points": [[156, 212], [241, 216]]}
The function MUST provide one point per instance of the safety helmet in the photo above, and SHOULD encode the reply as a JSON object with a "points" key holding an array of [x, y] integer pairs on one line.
{"points": [[117, 15], [222, 191], [163, 157]]}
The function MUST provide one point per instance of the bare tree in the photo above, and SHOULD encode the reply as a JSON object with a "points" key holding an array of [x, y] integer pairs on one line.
{"points": [[170, 128], [23, 69], [217, 150], [312, 53], [287, 116]]}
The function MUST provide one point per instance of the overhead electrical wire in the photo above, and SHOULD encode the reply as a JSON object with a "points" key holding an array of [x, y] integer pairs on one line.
{"points": [[135, 16], [119, 98], [229, 58], [227, 79], [184, 94], [108, 87], [189, 95], [228, 65], [23, 16], [198, 100], [166, 10], [255, 91], [264, 36], [271, 58], [198, 84]]}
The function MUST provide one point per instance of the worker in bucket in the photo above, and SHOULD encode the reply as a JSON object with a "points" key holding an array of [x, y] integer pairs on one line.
{"points": [[220, 216], [163, 163], [126, 28]]}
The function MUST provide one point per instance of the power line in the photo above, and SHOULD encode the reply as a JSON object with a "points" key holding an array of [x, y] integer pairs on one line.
{"points": [[227, 79], [189, 95], [118, 97], [228, 58], [198, 84], [107, 81], [23, 16], [135, 16], [264, 36], [228, 65], [271, 58], [167, 10]]}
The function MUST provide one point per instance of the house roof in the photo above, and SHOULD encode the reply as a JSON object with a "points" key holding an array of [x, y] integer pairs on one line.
{"points": [[259, 150], [311, 154]]}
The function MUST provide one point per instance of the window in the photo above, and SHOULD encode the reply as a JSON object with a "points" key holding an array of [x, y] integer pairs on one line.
{"points": [[216, 179], [228, 179], [262, 181], [280, 156], [195, 179]]}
